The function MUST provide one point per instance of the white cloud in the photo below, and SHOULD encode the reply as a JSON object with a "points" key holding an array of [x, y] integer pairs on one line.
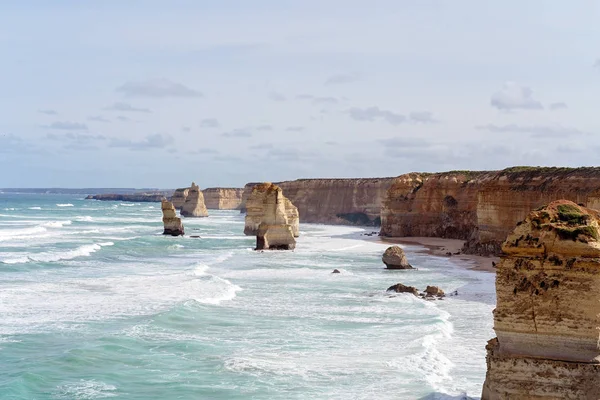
{"points": [[157, 88], [513, 96]]}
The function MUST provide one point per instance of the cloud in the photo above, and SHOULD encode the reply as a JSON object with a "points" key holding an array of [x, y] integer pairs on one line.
{"points": [[424, 117], [157, 88], [48, 112], [408, 142], [292, 155], [127, 108], [81, 137], [339, 79], [186, 129], [10, 143], [67, 126], [558, 106], [295, 128], [512, 96], [97, 118], [316, 100], [597, 63], [277, 96], [264, 128], [156, 141], [374, 113], [123, 118], [203, 151], [262, 146], [534, 130], [237, 133], [209, 123]]}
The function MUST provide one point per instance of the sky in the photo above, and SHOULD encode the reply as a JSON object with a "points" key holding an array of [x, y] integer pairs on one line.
{"points": [[147, 93]]}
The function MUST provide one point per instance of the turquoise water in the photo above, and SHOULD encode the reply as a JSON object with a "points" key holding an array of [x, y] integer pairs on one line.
{"points": [[96, 303]]}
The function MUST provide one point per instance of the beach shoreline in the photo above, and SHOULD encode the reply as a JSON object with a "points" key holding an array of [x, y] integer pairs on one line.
{"points": [[450, 248]]}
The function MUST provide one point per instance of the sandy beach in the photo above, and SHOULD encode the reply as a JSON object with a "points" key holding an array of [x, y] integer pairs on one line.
{"points": [[444, 247]]}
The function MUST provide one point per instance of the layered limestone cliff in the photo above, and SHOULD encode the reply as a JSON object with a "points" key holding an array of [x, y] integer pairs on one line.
{"points": [[171, 222], [223, 198], [480, 207], [271, 217], [547, 315], [179, 196], [194, 203], [335, 201]]}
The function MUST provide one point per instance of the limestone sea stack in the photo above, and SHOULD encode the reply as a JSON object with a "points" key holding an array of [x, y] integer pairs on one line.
{"points": [[179, 197], [194, 203], [272, 218], [547, 315], [171, 221], [394, 258]]}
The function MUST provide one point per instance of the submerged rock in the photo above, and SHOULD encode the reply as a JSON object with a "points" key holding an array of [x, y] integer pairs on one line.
{"points": [[394, 258], [194, 203], [172, 224], [434, 291], [336, 271], [400, 288], [547, 312]]}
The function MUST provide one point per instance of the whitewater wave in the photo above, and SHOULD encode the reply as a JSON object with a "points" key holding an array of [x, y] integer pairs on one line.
{"points": [[81, 251], [84, 218], [219, 290], [128, 204], [86, 389], [65, 205], [21, 233], [35, 208], [56, 224]]}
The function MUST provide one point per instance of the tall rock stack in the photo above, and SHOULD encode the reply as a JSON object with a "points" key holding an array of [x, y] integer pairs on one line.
{"points": [[194, 203], [272, 218], [547, 317], [172, 223], [179, 197]]}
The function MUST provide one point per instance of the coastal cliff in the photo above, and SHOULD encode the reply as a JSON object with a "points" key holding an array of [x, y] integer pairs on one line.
{"points": [[179, 196], [548, 306], [335, 201], [223, 198], [480, 207], [133, 197]]}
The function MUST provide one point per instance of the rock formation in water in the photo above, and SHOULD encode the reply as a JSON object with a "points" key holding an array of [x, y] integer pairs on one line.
{"points": [[547, 315], [179, 196], [194, 203], [334, 201], [400, 288], [223, 198], [480, 207], [271, 217], [171, 221], [394, 258]]}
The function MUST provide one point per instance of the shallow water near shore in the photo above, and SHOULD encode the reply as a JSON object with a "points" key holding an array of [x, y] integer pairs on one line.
{"points": [[96, 303]]}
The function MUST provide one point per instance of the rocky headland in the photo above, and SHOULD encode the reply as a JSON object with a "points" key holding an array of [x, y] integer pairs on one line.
{"points": [[131, 197], [194, 203], [223, 198], [271, 217], [172, 223], [480, 207], [179, 196], [547, 315], [335, 201]]}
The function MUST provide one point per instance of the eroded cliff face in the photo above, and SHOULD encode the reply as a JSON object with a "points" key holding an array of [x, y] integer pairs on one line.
{"points": [[223, 198], [335, 201], [480, 207], [179, 196], [194, 203], [547, 315], [271, 217]]}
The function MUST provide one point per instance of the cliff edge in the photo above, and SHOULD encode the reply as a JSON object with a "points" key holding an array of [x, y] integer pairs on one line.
{"points": [[547, 315]]}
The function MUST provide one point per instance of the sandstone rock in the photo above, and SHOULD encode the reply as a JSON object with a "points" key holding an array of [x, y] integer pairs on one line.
{"points": [[434, 291], [275, 237], [171, 222], [267, 204], [223, 198], [194, 203], [179, 197], [400, 288], [547, 315], [394, 258], [481, 207]]}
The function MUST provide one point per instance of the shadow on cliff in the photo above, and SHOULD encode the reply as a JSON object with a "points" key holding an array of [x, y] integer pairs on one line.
{"points": [[443, 396]]}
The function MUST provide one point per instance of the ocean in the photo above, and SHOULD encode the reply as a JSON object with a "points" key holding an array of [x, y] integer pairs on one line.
{"points": [[96, 303]]}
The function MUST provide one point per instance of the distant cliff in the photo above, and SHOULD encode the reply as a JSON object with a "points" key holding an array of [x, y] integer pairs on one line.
{"points": [[223, 198], [480, 207], [335, 201], [137, 197]]}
